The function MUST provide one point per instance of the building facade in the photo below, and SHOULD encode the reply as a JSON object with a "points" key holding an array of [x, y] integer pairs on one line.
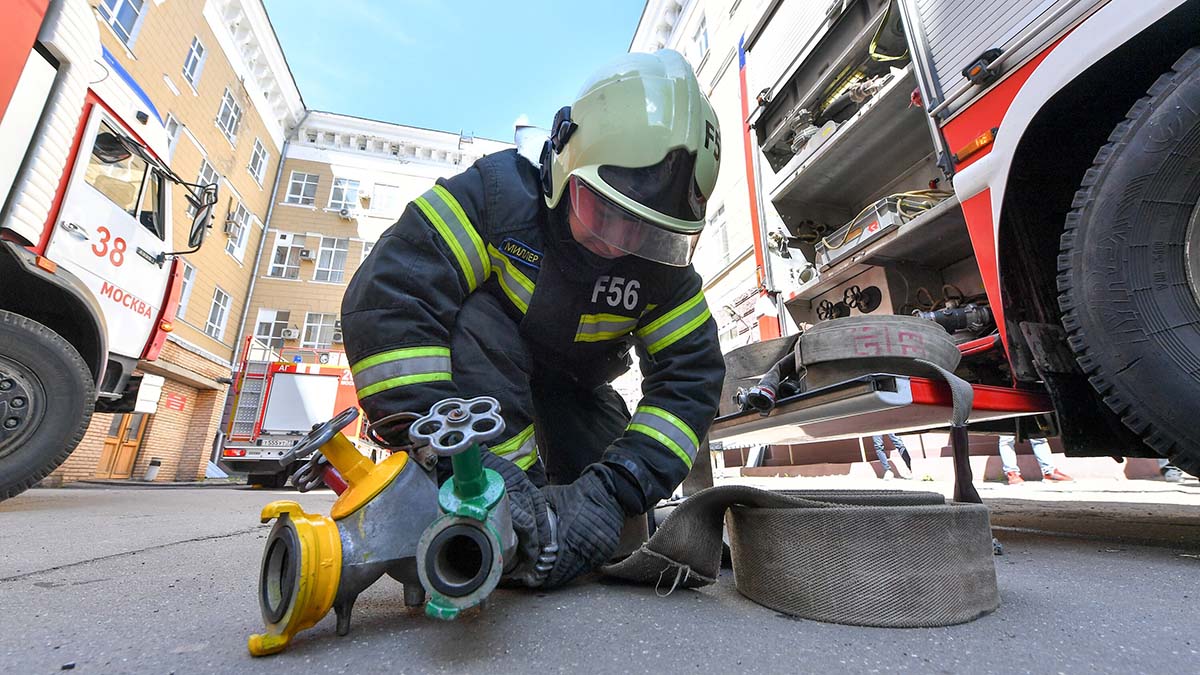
{"points": [[707, 33], [217, 75], [345, 180]]}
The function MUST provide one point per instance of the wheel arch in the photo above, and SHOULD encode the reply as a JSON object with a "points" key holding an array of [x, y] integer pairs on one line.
{"points": [[58, 300], [1039, 186]]}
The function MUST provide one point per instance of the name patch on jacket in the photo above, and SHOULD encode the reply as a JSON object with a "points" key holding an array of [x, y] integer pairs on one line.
{"points": [[521, 252]]}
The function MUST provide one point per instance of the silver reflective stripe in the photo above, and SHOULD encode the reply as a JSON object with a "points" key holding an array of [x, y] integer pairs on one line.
{"points": [[603, 327], [448, 218], [675, 324], [667, 429], [400, 367], [513, 282], [520, 449]]}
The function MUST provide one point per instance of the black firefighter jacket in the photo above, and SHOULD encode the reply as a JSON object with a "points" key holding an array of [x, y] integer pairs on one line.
{"points": [[488, 230]]}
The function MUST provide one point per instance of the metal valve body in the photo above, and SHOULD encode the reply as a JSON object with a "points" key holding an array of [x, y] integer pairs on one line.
{"points": [[462, 555], [313, 563]]}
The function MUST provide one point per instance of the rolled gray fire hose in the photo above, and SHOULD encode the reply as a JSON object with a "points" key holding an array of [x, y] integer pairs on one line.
{"points": [[874, 558], [870, 558]]}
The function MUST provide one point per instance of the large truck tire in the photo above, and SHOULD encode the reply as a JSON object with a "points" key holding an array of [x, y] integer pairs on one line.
{"points": [[46, 400], [1129, 267]]}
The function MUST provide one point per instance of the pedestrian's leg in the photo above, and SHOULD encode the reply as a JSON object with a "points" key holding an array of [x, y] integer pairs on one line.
{"points": [[1041, 452], [881, 453], [1008, 456], [900, 447], [489, 358]]}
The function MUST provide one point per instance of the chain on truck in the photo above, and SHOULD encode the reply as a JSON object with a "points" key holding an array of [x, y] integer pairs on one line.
{"points": [[89, 278], [1025, 173], [279, 393]]}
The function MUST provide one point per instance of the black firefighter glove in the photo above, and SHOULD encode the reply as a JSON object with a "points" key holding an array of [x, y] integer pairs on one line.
{"points": [[562, 530]]}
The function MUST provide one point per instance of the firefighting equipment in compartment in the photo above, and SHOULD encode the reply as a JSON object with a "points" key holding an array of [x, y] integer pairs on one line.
{"points": [[645, 195], [312, 562]]}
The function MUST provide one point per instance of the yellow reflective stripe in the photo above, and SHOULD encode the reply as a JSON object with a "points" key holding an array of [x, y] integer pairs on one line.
{"points": [[466, 224], [667, 329], [513, 444], [513, 282], [662, 438], [402, 381], [444, 229], [396, 354], [673, 419], [603, 327]]}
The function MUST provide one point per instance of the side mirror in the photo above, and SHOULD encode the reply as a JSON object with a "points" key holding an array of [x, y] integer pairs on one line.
{"points": [[204, 209]]}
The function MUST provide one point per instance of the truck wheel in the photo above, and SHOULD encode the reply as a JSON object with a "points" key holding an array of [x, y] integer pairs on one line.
{"points": [[46, 401], [1129, 267]]}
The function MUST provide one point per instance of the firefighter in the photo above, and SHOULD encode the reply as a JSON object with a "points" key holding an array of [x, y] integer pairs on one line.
{"points": [[531, 285]]}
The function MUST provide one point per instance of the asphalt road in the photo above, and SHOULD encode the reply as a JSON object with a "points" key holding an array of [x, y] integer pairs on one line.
{"points": [[164, 580]]}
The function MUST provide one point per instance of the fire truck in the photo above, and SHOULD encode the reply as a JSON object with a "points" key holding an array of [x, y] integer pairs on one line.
{"points": [[89, 280], [279, 393], [1024, 172]]}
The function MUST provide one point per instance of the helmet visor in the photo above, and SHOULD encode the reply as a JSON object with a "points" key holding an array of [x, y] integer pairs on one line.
{"points": [[626, 232], [668, 187]]}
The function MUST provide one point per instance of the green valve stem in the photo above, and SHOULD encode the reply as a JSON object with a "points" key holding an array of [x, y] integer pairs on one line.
{"points": [[470, 481]]}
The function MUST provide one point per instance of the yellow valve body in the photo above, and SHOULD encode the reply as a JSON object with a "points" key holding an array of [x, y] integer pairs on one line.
{"points": [[320, 566], [364, 484]]}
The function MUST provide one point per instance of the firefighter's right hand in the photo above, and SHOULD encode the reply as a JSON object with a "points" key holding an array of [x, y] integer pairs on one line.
{"points": [[532, 520]]}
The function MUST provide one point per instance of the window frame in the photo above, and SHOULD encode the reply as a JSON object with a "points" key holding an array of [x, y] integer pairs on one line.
{"points": [[172, 137], [201, 179], [109, 13], [329, 270], [223, 314], [316, 183], [277, 325], [305, 343], [193, 79], [236, 245], [342, 185], [286, 240], [260, 153], [234, 118], [187, 285]]}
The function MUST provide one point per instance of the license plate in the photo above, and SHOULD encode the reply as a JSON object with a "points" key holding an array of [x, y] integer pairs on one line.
{"points": [[276, 443]]}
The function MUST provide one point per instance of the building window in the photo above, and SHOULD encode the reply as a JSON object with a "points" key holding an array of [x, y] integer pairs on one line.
{"points": [[285, 261], [258, 161], [194, 62], [123, 16], [331, 260], [699, 45], [237, 227], [172, 127], [302, 189], [367, 247], [185, 293], [207, 176], [344, 194], [318, 330], [217, 315], [386, 199], [270, 325], [229, 117]]}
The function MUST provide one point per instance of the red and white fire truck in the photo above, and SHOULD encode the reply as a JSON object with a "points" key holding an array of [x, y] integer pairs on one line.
{"points": [[1025, 172], [89, 280], [279, 393]]}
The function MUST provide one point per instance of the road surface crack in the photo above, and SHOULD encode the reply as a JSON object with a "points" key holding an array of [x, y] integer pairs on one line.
{"points": [[227, 535]]}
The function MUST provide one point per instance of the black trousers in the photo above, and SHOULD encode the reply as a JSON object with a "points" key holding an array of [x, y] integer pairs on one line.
{"points": [[573, 424]]}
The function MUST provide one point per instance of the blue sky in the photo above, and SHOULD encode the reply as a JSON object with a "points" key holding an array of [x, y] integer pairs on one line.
{"points": [[450, 65]]}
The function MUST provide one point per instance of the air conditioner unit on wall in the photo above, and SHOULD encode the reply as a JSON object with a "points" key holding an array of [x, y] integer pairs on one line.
{"points": [[308, 254], [290, 334], [346, 213], [230, 225], [337, 337]]}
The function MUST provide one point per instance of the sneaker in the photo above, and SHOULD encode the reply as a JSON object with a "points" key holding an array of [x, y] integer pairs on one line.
{"points": [[887, 475], [1056, 476], [1172, 475], [1014, 477]]}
